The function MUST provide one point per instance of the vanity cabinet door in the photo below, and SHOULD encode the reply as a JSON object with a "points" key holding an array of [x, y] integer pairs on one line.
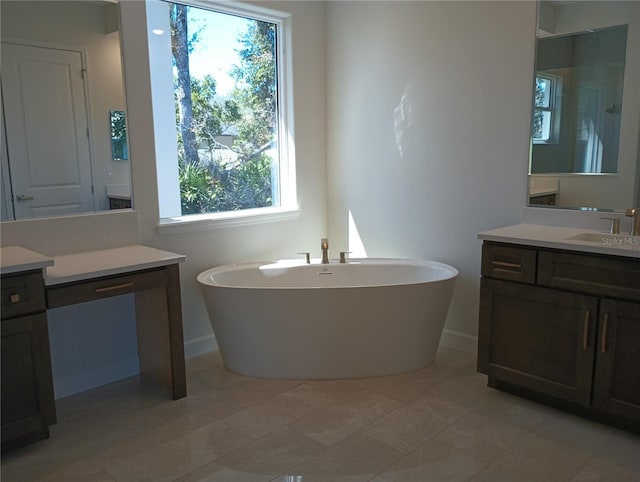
{"points": [[617, 378], [538, 338], [27, 390]]}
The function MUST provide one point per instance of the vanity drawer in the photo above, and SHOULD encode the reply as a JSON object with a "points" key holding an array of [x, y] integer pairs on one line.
{"points": [[22, 294], [599, 275], [99, 288], [510, 263]]}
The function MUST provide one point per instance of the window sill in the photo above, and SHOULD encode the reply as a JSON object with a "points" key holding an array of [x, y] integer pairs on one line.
{"points": [[229, 219]]}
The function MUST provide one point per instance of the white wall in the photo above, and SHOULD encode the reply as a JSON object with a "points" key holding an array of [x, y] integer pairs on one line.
{"points": [[205, 249], [428, 130]]}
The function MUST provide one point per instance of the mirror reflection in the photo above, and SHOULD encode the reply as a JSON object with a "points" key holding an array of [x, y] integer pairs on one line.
{"points": [[578, 101], [119, 148], [61, 79], [584, 141]]}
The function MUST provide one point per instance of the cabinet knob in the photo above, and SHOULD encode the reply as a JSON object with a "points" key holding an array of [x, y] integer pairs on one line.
{"points": [[14, 298]]}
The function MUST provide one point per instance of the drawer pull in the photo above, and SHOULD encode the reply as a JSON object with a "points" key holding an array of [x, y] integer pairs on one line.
{"points": [[114, 287], [605, 322], [14, 298], [585, 331], [510, 266]]}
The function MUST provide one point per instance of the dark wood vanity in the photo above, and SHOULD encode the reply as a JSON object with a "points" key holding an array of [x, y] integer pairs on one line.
{"points": [[562, 327], [28, 406]]}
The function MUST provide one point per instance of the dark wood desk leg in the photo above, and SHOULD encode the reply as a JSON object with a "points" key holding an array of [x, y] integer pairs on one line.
{"points": [[174, 307], [160, 337]]}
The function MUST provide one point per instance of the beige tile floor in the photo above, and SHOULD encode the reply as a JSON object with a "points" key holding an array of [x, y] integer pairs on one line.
{"points": [[437, 424]]}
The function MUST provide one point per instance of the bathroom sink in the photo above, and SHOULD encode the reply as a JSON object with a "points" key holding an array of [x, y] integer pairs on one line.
{"points": [[607, 239]]}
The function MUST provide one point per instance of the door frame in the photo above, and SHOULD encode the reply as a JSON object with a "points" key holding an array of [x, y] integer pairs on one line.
{"points": [[8, 214]]}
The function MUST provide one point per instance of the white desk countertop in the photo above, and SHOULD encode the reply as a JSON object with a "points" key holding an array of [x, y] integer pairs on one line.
{"points": [[557, 237], [16, 259], [105, 262]]}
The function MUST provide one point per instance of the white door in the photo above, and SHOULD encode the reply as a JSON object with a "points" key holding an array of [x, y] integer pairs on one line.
{"points": [[47, 131]]}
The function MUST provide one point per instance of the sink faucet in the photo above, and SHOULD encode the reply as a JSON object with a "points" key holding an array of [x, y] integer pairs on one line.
{"points": [[324, 245], [635, 225]]}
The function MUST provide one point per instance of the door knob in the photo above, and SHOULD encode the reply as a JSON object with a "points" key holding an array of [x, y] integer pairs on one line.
{"points": [[22, 197]]}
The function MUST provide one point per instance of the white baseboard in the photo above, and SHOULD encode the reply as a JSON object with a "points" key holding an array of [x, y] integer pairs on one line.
{"points": [[460, 341], [454, 339], [200, 345]]}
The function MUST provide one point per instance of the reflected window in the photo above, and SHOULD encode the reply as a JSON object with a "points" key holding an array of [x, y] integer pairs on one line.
{"points": [[546, 114], [119, 148]]}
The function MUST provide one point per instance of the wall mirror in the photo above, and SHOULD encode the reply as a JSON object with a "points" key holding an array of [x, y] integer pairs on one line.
{"points": [[586, 96], [61, 80]]}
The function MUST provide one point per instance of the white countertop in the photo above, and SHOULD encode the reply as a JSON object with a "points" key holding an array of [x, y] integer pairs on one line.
{"points": [[118, 191], [542, 192], [543, 185], [557, 237], [105, 262], [16, 259]]}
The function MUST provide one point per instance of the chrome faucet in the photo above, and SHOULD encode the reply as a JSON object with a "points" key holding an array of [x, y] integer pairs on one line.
{"points": [[324, 245], [635, 224]]}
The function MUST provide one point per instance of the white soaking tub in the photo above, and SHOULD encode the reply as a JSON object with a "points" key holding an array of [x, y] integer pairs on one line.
{"points": [[368, 317]]}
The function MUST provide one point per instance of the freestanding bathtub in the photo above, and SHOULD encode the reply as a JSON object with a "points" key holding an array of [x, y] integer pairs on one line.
{"points": [[288, 319]]}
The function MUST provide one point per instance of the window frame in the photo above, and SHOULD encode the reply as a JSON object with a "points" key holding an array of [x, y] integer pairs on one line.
{"points": [[286, 191]]}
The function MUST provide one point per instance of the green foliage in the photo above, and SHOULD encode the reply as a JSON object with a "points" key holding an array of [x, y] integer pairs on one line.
{"points": [[246, 186], [243, 187], [207, 113], [196, 188], [255, 90]]}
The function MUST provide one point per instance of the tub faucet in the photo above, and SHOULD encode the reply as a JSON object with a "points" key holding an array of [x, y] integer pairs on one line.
{"points": [[324, 245], [635, 224], [307, 256]]}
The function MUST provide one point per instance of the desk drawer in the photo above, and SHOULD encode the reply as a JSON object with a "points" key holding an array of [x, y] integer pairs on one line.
{"points": [[99, 288], [615, 277], [22, 294], [509, 263]]}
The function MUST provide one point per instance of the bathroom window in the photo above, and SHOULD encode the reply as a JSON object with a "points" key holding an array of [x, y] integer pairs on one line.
{"points": [[229, 110], [546, 113]]}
